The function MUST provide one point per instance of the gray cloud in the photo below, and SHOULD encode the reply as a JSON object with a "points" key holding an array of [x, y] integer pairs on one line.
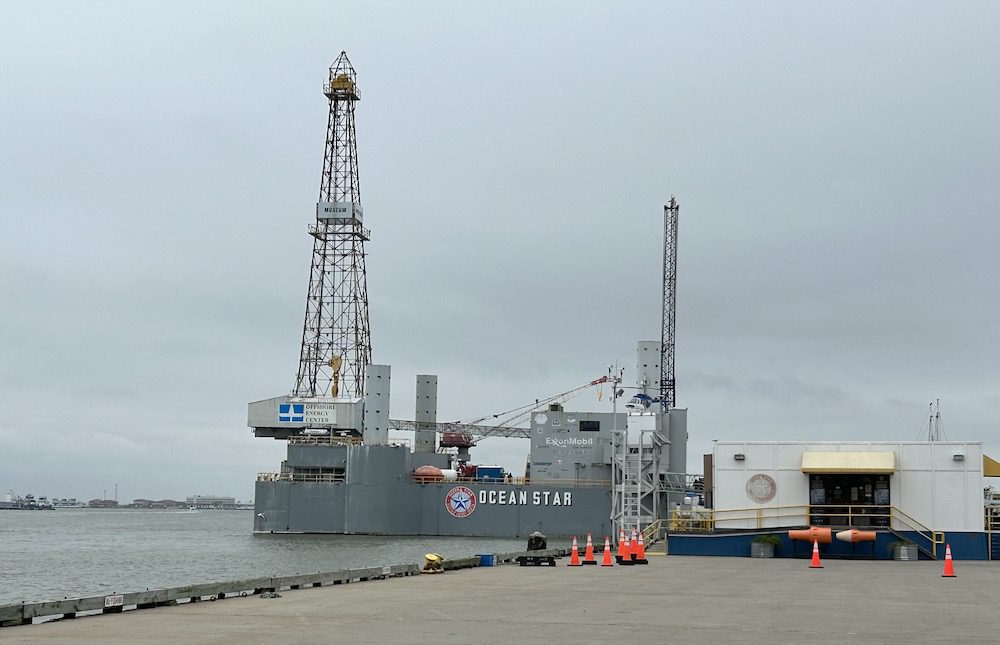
{"points": [[835, 166]]}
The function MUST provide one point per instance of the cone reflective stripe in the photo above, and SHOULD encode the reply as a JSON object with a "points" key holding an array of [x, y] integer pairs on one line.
{"points": [[588, 556], [574, 558], [949, 566], [606, 562], [815, 564]]}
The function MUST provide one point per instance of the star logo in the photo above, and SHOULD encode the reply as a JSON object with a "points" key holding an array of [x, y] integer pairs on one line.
{"points": [[460, 501]]}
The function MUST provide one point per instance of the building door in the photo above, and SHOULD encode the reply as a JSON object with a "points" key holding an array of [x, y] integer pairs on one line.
{"points": [[855, 500]]}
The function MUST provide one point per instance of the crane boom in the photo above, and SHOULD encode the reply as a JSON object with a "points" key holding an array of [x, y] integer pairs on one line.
{"points": [[508, 420], [477, 431]]}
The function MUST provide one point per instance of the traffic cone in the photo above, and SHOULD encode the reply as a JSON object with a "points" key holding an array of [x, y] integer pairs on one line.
{"points": [[633, 547], [815, 564], [588, 556], [640, 557], [949, 567], [624, 552], [574, 558], [606, 562]]}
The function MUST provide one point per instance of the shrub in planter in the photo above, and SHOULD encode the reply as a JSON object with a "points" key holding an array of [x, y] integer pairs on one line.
{"points": [[904, 550], [763, 546]]}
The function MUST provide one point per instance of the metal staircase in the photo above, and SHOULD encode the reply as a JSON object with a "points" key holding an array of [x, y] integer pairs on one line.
{"points": [[635, 496]]}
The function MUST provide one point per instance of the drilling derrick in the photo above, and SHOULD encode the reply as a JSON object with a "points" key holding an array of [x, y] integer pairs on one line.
{"points": [[336, 339], [668, 397]]}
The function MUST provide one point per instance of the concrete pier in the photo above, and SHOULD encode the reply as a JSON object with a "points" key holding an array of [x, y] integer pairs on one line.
{"points": [[673, 599]]}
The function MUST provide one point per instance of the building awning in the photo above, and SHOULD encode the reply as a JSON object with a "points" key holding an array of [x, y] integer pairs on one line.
{"points": [[879, 462], [991, 467]]}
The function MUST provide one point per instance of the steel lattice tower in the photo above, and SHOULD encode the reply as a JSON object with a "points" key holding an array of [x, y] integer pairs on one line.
{"points": [[668, 396], [336, 339]]}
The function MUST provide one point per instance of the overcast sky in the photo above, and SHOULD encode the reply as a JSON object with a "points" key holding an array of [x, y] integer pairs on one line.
{"points": [[837, 168]]}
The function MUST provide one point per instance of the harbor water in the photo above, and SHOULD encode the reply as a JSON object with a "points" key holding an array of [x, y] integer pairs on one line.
{"points": [[49, 555]]}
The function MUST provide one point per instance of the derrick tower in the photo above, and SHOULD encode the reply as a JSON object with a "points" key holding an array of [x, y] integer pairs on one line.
{"points": [[668, 396], [336, 340]]}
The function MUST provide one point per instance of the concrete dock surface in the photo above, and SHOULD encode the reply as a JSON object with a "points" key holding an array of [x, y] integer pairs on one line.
{"points": [[672, 600]]}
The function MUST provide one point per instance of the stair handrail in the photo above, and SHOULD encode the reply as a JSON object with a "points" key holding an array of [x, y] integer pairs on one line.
{"points": [[933, 537], [653, 532]]}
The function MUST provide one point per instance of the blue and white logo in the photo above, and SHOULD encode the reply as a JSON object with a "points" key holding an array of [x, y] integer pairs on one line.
{"points": [[291, 411]]}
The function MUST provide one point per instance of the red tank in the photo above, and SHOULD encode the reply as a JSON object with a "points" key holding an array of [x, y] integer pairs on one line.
{"points": [[457, 440]]}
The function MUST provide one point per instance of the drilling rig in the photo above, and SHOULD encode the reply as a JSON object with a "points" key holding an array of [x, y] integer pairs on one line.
{"points": [[336, 348]]}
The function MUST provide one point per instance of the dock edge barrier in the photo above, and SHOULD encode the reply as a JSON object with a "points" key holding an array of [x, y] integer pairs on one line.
{"points": [[24, 613]]}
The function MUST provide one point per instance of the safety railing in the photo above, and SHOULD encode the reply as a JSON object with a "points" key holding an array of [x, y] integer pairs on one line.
{"points": [[301, 477], [698, 520], [323, 440], [654, 532], [927, 539], [991, 519], [519, 481], [991, 522], [349, 440], [682, 483], [701, 520], [574, 483]]}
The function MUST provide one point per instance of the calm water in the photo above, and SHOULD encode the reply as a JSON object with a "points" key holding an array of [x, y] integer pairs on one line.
{"points": [[47, 555]]}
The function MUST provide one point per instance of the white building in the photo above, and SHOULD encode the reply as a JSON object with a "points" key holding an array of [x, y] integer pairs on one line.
{"points": [[908, 485], [211, 501]]}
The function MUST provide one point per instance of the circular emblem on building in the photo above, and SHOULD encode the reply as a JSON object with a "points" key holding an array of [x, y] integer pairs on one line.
{"points": [[460, 501], [761, 488]]}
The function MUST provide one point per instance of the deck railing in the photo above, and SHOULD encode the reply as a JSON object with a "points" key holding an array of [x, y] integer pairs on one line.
{"points": [[301, 477], [699, 520]]}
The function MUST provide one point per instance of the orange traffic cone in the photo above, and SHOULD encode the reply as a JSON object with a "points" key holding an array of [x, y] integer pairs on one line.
{"points": [[815, 560], [606, 562], [949, 567], [640, 557], [624, 552], [574, 558], [633, 547], [588, 556]]}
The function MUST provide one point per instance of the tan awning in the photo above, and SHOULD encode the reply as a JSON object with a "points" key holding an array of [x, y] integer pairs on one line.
{"points": [[849, 462], [991, 467]]}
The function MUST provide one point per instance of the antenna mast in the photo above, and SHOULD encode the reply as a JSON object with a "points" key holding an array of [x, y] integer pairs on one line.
{"points": [[668, 395], [336, 340]]}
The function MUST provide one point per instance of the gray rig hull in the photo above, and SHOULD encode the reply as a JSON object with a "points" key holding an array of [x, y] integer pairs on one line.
{"points": [[410, 508]]}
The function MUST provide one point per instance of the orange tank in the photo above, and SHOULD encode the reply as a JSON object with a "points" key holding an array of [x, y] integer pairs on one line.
{"points": [[428, 474], [854, 535], [820, 534]]}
